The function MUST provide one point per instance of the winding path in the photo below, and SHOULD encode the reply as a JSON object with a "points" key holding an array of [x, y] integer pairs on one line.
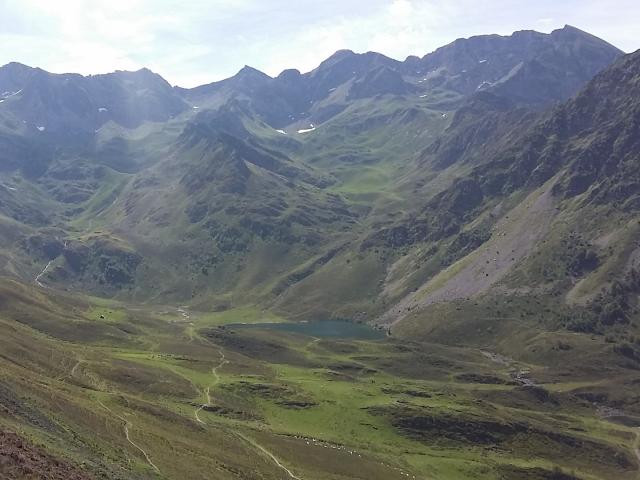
{"points": [[73, 370], [37, 280], [214, 372], [268, 454], [253, 443], [127, 425]]}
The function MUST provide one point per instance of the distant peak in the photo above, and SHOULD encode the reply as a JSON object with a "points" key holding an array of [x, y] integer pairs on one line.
{"points": [[290, 73], [250, 71], [142, 76], [345, 52], [569, 29], [521, 33], [144, 71], [16, 66], [571, 33], [371, 53], [349, 58], [340, 55]]}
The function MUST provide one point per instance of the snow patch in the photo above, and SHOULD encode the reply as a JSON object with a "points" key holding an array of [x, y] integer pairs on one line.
{"points": [[425, 95], [282, 132], [42, 129], [6, 95], [444, 115], [103, 109], [307, 130], [195, 107], [483, 61]]}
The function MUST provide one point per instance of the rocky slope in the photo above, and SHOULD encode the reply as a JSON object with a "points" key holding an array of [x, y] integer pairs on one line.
{"points": [[550, 217], [317, 186]]}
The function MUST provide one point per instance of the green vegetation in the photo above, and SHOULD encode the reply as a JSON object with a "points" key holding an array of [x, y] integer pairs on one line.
{"points": [[196, 397], [493, 245]]}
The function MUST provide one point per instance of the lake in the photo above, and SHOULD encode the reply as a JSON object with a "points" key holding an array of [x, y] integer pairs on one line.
{"points": [[321, 329]]}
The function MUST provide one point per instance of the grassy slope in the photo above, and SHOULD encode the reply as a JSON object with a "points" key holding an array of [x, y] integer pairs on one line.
{"points": [[363, 151], [322, 408]]}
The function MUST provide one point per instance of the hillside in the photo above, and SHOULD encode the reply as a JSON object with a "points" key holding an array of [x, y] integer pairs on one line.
{"points": [[96, 168], [100, 389], [377, 269], [570, 174]]}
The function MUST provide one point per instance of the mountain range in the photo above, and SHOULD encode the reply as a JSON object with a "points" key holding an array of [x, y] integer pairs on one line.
{"points": [[485, 196]]}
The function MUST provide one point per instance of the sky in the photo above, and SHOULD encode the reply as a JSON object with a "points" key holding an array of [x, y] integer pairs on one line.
{"points": [[196, 42]]}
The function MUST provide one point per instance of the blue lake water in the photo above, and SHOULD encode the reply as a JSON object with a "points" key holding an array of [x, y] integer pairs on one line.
{"points": [[320, 329]]}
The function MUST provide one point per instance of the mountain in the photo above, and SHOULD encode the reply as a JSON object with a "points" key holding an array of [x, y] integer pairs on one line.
{"points": [[572, 166], [53, 103], [476, 207], [528, 67], [316, 159]]}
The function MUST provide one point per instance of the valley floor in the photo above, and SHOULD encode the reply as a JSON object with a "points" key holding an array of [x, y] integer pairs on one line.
{"points": [[130, 392]]}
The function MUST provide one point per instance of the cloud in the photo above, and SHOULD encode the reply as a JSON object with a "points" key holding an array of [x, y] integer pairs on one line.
{"points": [[397, 29], [401, 10], [205, 40]]}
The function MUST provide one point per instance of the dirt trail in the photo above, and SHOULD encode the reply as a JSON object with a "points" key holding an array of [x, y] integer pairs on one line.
{"points": [[127, 426], [73, 370], [214, 372], [186, 318], [185, 314], [75, 367], [268, 454], [253, 443], [39, 276]]}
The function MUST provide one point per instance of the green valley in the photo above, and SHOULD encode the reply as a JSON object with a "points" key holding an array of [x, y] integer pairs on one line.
{"points": [[379, 269], [143, 391]]}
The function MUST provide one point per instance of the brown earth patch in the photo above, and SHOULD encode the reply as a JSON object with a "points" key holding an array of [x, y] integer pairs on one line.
{"points": [[19, 460]]}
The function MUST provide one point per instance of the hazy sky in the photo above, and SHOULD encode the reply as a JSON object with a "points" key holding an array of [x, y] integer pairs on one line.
{"points": [[196, 42]]}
